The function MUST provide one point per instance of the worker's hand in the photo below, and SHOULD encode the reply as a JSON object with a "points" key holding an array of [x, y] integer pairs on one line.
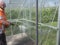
{"points": [[12, 23]]}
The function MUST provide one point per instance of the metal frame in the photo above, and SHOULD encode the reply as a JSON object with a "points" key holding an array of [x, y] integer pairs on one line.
{"points": [[58, 32], [36, 22]]}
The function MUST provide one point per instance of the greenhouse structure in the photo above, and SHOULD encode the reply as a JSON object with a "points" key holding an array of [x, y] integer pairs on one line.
{"points": [[37, 22]]}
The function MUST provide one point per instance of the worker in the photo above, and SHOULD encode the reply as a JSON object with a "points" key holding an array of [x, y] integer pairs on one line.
{"points": [[3, 22]]}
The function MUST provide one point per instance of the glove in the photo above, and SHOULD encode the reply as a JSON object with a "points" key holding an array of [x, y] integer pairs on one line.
{"points": [[12, 23]]}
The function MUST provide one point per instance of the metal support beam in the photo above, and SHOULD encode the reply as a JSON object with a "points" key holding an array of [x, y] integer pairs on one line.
{"points": [[36, 22], [58, 32]]}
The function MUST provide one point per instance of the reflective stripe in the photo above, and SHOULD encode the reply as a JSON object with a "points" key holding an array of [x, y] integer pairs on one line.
{"points": [[0, 17]]}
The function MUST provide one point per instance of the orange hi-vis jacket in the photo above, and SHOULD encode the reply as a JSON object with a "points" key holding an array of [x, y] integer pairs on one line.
{"points": [[3, 20]]}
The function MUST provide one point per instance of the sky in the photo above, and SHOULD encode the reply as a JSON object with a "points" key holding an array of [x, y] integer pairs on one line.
{"points": [[50, 2], [6, 1]]}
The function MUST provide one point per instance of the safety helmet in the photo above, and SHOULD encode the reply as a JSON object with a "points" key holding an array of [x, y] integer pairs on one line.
{"points": [[2, 4]]}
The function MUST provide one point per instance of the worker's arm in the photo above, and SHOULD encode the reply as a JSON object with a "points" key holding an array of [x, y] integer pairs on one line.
{"points": [[3, 19], [5, 23]]}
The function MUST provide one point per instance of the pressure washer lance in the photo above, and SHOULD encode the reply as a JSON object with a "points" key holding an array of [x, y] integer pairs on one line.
{"points": [[12, 24]]}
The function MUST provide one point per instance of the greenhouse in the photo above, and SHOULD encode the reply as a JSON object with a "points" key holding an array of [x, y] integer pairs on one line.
{"points": [[37, 22]]}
